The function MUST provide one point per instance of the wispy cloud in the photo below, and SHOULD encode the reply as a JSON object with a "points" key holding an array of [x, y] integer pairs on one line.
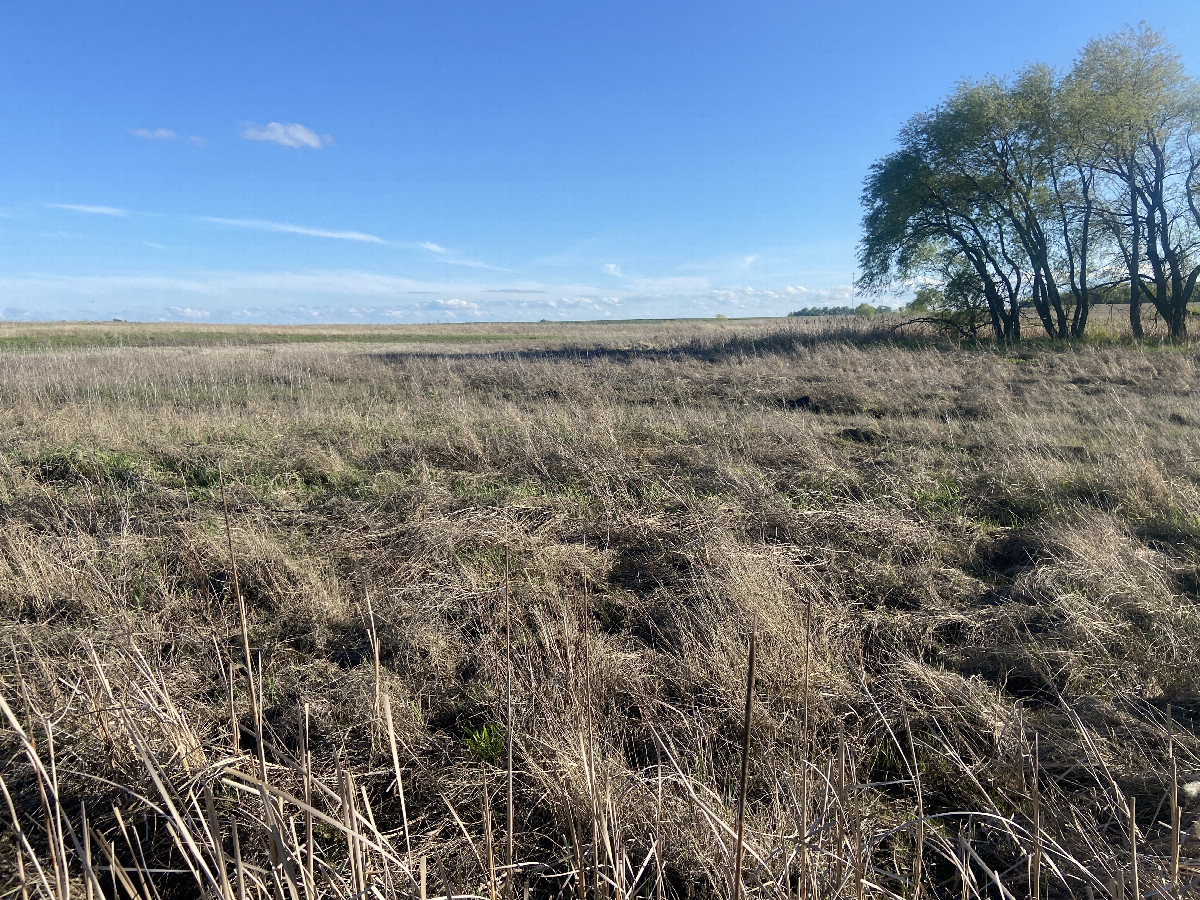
{"points": [[166, 134], [612, 269], [472, 264], [447, 256], [291, 134], [93, 210], [188, 313], [156, 134], [361, 237], [287, 228]]}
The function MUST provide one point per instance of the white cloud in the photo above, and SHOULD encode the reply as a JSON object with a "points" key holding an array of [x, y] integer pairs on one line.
{"points": [[93, 210], [287, 228], [439, 307], [155, 134], [612, 269], [198, 141], [291, 134], [431, 247], [188, 313]]}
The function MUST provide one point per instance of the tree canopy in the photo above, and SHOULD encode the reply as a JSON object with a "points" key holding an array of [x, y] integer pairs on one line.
{"points": [[1040, 192]]}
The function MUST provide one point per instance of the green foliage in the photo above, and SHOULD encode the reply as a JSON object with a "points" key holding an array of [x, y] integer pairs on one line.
{"points": [[78, 464], [958, 304], [196, 473], [924, 301], [486, 743]]}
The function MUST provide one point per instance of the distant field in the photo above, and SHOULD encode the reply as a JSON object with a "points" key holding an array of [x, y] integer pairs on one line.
{"points": [[82, 335], [39, 336], [180, 338], [973, 574]]}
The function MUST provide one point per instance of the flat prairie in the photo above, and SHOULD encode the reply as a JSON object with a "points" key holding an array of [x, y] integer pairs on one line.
{"points": [[466, 611]]}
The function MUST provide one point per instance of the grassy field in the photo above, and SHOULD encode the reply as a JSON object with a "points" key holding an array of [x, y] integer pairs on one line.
{"points": [[470, 563], [117, 334]]}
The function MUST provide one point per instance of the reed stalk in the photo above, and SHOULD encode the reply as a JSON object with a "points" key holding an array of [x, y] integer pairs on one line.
{"points": [[741, 809], [510, 827], [255, 710], [1133, 848], [1035, 869]]}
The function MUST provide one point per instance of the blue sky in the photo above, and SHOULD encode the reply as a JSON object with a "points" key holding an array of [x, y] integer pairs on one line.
{"points": [[456, 161]]}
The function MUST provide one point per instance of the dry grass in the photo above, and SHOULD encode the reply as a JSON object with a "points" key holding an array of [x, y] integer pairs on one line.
{"points": [[974, 576]]}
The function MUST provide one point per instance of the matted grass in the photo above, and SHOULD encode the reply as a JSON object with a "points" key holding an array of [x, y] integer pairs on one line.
{"points": [[970, 571]]}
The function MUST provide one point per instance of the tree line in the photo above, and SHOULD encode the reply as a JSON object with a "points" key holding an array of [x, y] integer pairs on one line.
{"points": [[1047, 193], [863, 310]]}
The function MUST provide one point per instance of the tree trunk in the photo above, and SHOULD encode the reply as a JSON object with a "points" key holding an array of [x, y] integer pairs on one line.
{"points": [[1041, 304], [1179, 305], [1184, 299], [1079, 317], [1050, 293], [1135, 286], [1083, 295], [1055, 299], [995, 306], [1179, 322]]}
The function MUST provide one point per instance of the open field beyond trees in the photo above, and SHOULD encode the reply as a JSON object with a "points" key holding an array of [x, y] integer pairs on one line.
{"points": [[530, 558]]}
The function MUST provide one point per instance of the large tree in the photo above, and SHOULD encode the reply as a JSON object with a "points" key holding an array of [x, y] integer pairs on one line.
{"points": [[1141, 112], [972, 184], [1044, 186], [931, 209]]}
